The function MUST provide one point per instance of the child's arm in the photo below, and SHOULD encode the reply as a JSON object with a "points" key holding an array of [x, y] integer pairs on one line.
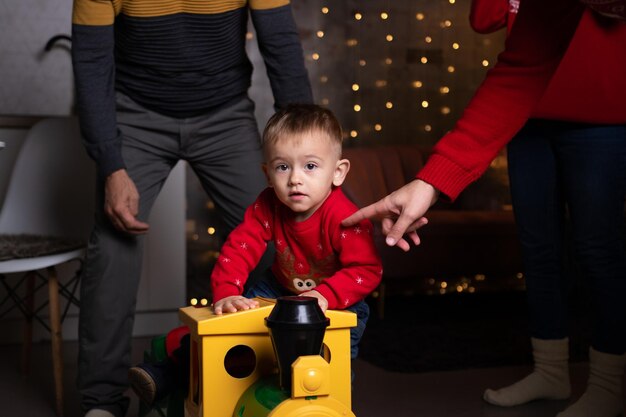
{"points": [[239, 255], [361, 268]]}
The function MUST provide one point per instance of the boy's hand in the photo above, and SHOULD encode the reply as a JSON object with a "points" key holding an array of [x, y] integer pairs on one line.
{"points": [[321, 300], [234, 303]]}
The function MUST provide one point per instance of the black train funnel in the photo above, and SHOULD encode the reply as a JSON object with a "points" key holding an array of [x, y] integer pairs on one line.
{"points": [[296, 326]]}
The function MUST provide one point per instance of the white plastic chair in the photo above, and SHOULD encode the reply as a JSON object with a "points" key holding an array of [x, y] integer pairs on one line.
{"points": [[45, 222]]}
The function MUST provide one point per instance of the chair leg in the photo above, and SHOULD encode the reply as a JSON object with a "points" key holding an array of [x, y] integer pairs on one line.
{"points": [[27, 342], [57, 338]]}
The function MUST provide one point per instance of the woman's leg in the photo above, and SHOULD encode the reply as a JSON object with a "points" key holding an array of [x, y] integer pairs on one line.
{"points": [[594, 173], [539, 212]]}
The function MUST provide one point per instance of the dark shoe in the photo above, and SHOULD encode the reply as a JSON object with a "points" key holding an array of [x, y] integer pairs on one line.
{"points": [[152, 381]]}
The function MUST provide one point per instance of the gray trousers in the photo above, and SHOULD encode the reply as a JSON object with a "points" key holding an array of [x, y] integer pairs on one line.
{"points": [[223, 149]]}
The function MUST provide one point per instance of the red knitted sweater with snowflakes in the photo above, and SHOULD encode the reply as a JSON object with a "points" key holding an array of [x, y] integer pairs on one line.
{"points": [[513, 89], [341, 263]]}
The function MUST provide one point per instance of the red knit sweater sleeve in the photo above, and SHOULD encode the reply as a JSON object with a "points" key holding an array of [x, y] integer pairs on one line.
{"points": [[360, 269], [504, 101], [243, 249], [487, 16]]}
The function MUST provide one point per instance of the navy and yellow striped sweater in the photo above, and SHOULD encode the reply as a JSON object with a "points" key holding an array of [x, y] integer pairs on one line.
{"points": [[180, 58]]}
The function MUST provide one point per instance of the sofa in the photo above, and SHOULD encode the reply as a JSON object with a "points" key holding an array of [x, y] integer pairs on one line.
{"points": [[460, 248]]}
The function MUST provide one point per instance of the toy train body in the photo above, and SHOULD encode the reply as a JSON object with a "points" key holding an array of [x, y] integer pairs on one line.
{"points": [[234, 369]]}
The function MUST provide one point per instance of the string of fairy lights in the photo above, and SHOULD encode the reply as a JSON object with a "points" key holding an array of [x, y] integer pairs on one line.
{"points": [[405, 63]]}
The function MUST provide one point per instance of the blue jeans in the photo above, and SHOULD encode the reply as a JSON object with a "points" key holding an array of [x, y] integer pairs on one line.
{"points": [[559, 167], [268, 287]]}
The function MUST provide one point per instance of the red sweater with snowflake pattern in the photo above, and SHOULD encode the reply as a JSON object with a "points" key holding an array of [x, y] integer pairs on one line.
{"points": [[341, 263], [511, 91]]}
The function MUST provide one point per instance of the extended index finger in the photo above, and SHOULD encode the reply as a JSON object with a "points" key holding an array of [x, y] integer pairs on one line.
{"points": [[377, 209]]}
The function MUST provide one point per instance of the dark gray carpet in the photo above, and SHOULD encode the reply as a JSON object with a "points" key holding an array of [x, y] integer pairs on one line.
{"points": [[459, 331]]}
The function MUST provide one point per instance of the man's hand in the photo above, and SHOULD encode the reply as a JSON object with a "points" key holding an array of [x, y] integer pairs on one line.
{"points": [[234, 303], [121, 203], [400, 212], [321, 300]]}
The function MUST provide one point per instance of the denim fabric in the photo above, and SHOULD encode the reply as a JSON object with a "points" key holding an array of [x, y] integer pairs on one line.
{"points": [[268, 287], [561, 169]]}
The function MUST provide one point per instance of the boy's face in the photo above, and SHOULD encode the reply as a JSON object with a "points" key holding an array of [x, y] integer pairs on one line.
{"points": [[302, 169]]}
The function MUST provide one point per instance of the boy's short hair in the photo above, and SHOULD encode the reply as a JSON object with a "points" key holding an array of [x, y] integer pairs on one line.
{"points": [[301, 118]]}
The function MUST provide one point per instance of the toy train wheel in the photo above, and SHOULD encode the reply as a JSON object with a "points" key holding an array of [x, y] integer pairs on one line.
{"points": [[318, 407], [264, 398]]}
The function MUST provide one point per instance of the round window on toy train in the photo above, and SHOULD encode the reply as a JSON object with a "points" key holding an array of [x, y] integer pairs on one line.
{"points": [[240, 361]]}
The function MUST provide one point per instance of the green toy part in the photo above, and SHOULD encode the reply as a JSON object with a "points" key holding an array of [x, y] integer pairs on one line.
{"points": [[260, 398]]}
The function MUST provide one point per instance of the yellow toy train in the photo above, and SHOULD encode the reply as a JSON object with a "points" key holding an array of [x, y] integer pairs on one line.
{"points": [[283, 359]]}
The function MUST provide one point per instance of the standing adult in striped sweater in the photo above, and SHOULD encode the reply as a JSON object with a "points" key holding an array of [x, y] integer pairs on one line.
{"points": [[157, 82]]}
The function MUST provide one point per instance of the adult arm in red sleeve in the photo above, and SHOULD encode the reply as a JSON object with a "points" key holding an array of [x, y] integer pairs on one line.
{"points": [[498, 110], [507, 96]]}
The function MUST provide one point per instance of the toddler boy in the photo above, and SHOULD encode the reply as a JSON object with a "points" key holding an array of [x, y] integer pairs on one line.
{"points": [[301, 213]]}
